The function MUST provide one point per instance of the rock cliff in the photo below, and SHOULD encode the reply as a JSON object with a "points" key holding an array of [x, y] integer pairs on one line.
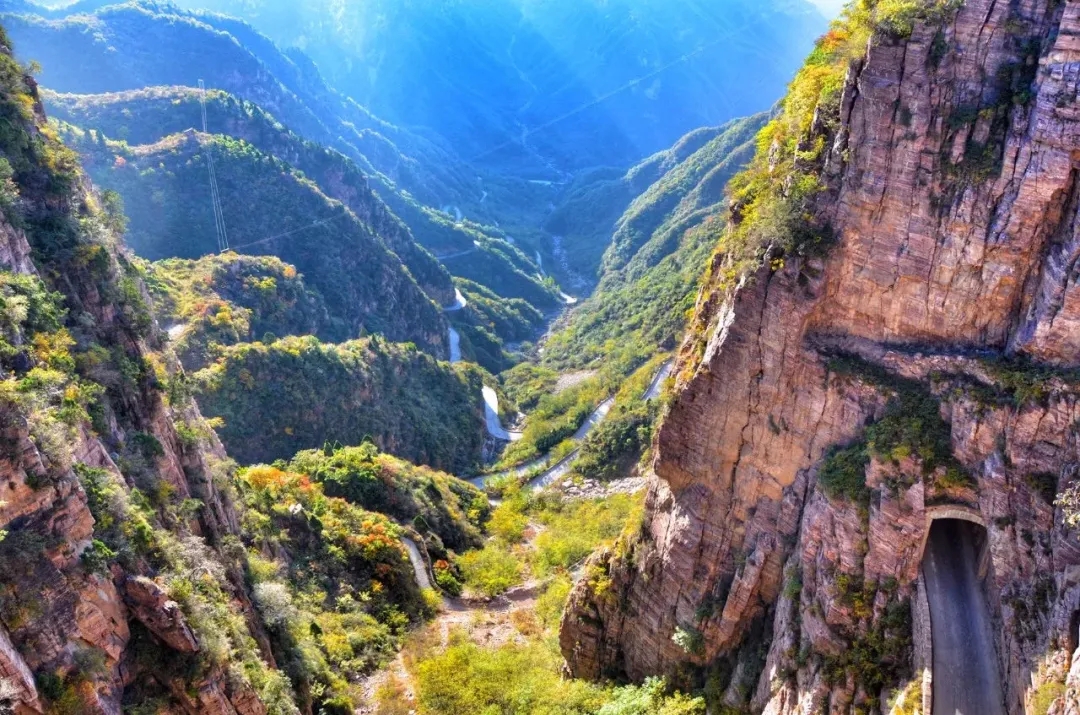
{"points": [[96, 453], [831, 404]]}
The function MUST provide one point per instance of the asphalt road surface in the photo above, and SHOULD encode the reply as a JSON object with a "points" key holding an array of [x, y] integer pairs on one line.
{"points": [[419, 567], [966, 680]]}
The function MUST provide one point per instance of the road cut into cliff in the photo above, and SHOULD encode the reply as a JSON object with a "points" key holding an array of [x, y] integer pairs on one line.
{"points": [[965, 662]]}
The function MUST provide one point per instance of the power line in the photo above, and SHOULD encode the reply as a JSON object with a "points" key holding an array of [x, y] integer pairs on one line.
{"points": [[219, 218], [215, 192], [215, 196], [315, 224]]}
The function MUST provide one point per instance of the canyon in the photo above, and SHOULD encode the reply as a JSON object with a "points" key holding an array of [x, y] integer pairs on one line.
{"points": [[850, 327]]}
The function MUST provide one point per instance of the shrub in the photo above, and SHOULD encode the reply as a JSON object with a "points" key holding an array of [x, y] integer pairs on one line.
{"points": [[492, 570], [97, 556], [843, 473], [507, 524], [689, 639], [446, 579], [274, 602], [1045, 696], [467, 678], [651, 698], [552, 601]]}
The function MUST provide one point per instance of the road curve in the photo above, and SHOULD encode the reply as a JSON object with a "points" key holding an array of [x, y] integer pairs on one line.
{"points": [[491, 417], [561, 468], [418, 563], [966, 680]]}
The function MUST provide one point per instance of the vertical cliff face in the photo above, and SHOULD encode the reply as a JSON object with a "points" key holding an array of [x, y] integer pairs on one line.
{"points": [[84, 421], [829, 409]]}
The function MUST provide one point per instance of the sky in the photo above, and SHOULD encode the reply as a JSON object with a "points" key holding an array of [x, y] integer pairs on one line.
{"points": [[829, 8]]}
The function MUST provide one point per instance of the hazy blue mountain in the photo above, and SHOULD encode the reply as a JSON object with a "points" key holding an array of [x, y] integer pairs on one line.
{"points": [[548, 85], [97, 47]]}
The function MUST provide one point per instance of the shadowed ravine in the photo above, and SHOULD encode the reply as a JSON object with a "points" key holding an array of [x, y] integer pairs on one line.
{"points": [[966, 680]]}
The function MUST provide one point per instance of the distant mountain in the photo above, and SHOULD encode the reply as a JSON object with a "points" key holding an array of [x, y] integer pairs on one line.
{"points": [[672, 207], [548, 85], [142, 117], [97, 47], [471, 251]]}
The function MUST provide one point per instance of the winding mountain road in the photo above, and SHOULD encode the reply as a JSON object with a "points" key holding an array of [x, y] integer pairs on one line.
{"points": [[491, 417], [966, 680], [561, 468]]}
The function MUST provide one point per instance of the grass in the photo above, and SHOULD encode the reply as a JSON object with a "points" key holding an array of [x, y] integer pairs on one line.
{"points": [[522, 679], [570, 530]]}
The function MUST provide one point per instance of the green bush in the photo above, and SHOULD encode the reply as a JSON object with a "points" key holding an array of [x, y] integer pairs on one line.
{"points": [[651, 698], [1045, 696], [97, 556], [432, 501], [491, 570], [299, 394], [843, 473]]}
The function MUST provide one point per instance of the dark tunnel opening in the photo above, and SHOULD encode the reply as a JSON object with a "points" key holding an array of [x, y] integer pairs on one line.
{"points": [[965, 663]]}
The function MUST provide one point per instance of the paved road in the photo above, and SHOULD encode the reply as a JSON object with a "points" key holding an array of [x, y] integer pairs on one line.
{"points": [[491, 418], [418, 564], [657, 385], [455, 346], [459, 302], [561, 468], [966, 678]]}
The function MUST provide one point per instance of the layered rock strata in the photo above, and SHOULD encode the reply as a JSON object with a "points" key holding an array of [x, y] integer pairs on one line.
{"points": [[954, 200]]}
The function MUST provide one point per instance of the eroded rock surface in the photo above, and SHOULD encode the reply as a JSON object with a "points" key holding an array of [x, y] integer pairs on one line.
{"points": [[746, 575]]}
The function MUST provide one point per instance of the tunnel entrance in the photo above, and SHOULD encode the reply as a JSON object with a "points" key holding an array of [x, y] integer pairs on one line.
{"points": [[965, 664]]}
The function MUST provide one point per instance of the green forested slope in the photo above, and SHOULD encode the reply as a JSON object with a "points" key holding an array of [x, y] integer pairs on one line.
{"points": [[223, 300], [298, 393], [271, 209], [146, 116], [657, 246], [475, 252]]}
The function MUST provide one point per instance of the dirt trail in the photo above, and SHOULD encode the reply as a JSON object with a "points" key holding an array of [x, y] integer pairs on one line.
{"points": [[488, 623]]}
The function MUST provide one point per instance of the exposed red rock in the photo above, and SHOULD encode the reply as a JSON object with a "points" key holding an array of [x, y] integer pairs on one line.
{"points": [[740, 544]]}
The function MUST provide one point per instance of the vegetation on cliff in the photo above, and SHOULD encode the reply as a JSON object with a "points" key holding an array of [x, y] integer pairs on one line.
{"points": [[331, 581], [297, 393], [79, 382], [223, 300]]}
